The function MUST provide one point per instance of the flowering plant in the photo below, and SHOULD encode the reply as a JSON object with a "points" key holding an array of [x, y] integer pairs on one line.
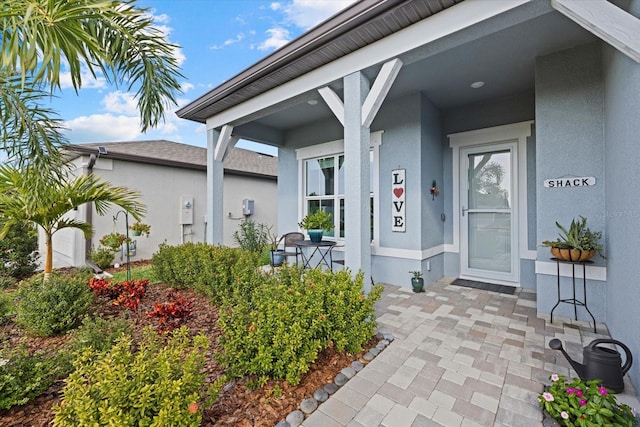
{"points": [[584, 403], [140, 229], [113, 240]]}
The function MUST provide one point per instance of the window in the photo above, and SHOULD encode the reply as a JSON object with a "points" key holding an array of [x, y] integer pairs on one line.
{"points": [[324, 181]]}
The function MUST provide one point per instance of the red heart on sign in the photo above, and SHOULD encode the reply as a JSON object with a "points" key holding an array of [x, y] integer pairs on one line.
{"points": [[398, 192]]}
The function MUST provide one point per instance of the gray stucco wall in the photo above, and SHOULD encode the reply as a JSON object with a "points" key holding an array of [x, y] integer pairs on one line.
{"points": [[400, 120], [570, 142], [161, 188], [622, 198], [431, 159]]}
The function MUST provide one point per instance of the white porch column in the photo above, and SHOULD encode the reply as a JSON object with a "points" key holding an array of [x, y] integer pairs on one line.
{"points": [[215, 191], [357, 209]]}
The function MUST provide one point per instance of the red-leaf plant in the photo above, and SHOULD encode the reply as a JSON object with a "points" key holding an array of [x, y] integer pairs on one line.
{"points": [[170, 315], [126, 293]]}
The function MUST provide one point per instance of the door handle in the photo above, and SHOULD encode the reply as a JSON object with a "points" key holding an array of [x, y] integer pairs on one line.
{"points": [[464, 210]]}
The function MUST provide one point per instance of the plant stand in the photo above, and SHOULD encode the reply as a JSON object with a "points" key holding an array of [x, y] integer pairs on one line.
{"points": [[576, 302]]}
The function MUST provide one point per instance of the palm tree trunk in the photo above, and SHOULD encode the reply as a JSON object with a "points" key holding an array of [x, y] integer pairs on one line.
{"points": [[48, 261]]}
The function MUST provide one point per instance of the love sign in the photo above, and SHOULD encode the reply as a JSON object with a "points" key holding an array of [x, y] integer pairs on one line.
{"points": [[398, 200]]}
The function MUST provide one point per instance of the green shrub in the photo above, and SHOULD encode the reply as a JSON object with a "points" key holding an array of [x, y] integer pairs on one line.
{"points": [[7, 281], [18, 251], [288, 318], [252, 236], [99, 333], [102, 257], [24, 376], [48, 308], [156, 386], [6, 307], [207, 269]]}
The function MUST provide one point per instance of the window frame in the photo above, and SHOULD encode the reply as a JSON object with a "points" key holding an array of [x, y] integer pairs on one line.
{"points": [[336, 149]]}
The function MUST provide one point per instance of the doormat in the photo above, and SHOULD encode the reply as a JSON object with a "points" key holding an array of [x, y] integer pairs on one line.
{"points": [[503, 289]]}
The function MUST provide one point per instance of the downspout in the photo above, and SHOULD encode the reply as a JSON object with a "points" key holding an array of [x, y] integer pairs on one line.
{"points": [[89, 214]]}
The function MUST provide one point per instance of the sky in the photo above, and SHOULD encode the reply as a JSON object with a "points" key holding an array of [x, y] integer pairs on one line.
{"points": [[217, 39]]}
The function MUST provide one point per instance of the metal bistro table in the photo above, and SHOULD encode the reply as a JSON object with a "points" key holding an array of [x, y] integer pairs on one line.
{"points": [[322, 249], [576, 302]]}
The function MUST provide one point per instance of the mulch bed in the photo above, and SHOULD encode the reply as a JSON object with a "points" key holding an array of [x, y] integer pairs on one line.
{"points": [[237, 405]]}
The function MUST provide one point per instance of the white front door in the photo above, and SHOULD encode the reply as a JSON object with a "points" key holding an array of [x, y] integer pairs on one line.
{"points": [[488, 214]]}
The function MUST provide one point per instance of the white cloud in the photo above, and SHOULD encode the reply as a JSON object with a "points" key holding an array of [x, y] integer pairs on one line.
{"points": [[307, 13], [238, 38], [302, 14], [120, 103], [278, 37], [102, 127], [88, 81], [114, 127], [186, 87]]}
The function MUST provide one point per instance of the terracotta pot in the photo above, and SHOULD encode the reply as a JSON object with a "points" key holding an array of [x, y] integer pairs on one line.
{"points": [[574, 255]]}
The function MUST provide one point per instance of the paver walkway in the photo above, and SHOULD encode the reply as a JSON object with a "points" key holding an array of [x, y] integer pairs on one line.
{"points": [[461, 357]]}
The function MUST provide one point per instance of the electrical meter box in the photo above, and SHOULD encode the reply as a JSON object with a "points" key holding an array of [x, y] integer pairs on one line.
{"points": [[186, 210], [247, 207]]}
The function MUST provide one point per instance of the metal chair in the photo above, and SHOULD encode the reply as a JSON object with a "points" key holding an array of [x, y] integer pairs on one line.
{"points": [[288, 241]]}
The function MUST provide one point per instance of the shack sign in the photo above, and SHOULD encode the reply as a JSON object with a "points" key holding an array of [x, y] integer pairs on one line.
{"points": [[570, 182]]}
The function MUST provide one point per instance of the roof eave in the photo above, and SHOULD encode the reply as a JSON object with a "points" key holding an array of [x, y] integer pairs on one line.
{"points": [[322, 34]]}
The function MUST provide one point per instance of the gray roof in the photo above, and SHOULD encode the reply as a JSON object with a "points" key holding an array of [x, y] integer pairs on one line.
{"points": [[359, 25], [169, 153]]}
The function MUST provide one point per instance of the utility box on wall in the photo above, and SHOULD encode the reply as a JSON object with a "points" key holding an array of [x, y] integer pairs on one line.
{"points": [[186, 210], [247, 207]]}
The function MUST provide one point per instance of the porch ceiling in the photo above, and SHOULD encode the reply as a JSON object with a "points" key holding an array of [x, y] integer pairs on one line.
{"points": [[504, 60]]}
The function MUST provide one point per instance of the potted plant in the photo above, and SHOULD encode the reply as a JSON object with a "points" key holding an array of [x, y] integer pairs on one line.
{"points": [[277, 255], [417, 282], [140, 229], [113, 241], [578, 243], [315, 223], [584, 403]]}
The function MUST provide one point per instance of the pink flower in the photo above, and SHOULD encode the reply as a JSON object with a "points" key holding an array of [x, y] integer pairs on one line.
{"points": [[554, 377], [583, 402], [548, 397], [603, 391], [564, 415], [571, 390], [579, 393]]}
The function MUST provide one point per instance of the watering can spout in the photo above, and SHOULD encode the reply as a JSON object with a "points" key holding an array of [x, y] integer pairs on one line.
{"points": [[555, 344]]}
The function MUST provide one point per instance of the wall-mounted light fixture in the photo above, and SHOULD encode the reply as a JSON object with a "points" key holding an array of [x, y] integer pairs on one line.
{"points": [[434, 190]]}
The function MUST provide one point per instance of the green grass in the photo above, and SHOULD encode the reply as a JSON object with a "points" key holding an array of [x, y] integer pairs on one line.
{"points": [[142, 272]]}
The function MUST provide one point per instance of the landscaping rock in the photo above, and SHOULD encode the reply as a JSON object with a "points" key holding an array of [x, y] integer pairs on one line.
{"points": [[368, 356], [309, 405], [295, 418], [348, 372], [321, 395], [340, 380], [283, 424], [330, 388], [374, 351], [357, 365]]}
